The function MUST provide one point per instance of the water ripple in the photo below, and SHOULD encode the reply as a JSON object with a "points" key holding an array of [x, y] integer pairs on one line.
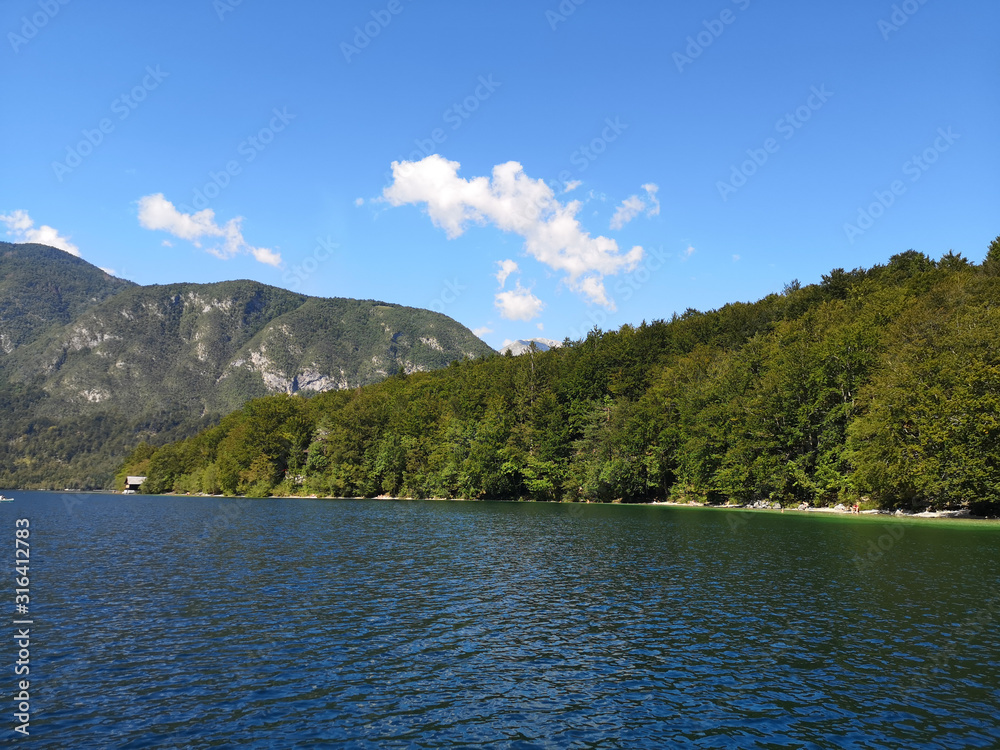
{"points": [[422, 624]]}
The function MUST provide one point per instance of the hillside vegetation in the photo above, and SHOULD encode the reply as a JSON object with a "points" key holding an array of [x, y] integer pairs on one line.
{"points": [[879, 384], [41, 286], [95, 364]]}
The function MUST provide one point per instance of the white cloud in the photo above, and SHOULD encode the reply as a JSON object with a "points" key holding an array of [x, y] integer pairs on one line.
{"points": [[688, 253], [507, 267], [635, 205], [654, 203], [572, 185], [628, 210], [108, 271], [518, 304], [157, 213], [481, 331], [736, 259], [263, 255], [541, 326], [22, 228], [514, 202], [359, 201]]}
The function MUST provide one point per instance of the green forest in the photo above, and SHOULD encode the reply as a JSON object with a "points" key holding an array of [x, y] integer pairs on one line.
{"points": [[877, 385]]}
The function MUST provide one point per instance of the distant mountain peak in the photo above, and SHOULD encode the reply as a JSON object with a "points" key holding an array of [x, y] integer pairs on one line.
{"points": [[522, 345]]}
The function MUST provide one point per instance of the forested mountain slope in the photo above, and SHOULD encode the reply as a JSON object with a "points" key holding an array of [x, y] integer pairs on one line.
{"points": [[160, 362], [42, 286], [879, 384]]}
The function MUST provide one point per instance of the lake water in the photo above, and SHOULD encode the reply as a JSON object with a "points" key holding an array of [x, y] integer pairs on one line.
{"points": [[194, 622]]}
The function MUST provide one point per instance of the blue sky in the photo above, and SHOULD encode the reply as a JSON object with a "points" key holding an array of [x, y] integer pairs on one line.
{"points": [[559, 165]]}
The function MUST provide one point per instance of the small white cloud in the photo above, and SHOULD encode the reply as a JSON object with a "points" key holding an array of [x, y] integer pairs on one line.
{"points": [[108, 271], [507, 267], [22, 228], [541, 326], [688, 253], [635, 205], [518, 304], [628, 210], [263, 255], [167, 243], [572, 185], [157, 213], [654, 203], [513, 202], [481, 331], [359, 201], [736, 259]]}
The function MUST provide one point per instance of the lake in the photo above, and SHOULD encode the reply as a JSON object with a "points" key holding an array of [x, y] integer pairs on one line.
{"points": [[200, 622]]}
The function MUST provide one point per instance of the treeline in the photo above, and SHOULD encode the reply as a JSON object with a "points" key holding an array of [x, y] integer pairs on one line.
{"points": [[881, 385]]}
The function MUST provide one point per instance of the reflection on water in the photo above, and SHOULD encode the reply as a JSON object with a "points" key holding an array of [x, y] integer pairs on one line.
{"points": [[187, 622]]}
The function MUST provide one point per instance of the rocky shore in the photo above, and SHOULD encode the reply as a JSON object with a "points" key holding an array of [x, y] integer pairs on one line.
{"points": [[840, 508]]}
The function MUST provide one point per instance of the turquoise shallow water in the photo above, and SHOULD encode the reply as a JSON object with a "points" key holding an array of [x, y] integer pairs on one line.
{"points": [[193, 622]]}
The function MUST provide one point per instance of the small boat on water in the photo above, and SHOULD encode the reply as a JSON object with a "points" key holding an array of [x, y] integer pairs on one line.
{"points": [[6, 499]]}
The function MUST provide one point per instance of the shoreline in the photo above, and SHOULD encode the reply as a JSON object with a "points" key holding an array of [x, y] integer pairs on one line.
{"points": [[940, 515]]}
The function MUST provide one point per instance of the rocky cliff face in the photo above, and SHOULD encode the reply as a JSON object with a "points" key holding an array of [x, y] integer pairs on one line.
{"points": [[213, 346]]}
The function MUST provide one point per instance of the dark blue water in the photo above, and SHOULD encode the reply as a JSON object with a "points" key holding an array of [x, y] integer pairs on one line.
{"points": [[192, 622]]}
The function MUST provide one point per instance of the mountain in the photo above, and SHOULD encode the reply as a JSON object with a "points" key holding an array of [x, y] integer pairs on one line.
{"points": [[41, 286], [522, 345], [108, 363]]}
